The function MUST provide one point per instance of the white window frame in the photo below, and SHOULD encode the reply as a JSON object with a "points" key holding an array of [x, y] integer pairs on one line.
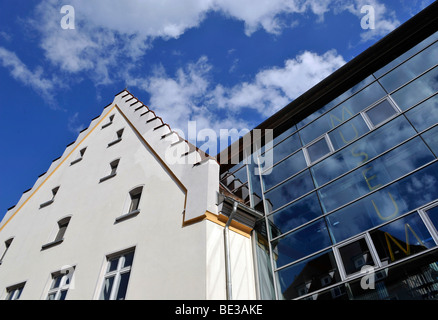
{"points": [[368, 121], [115, 273], [63, 285], [338, 257], [329, 144]]}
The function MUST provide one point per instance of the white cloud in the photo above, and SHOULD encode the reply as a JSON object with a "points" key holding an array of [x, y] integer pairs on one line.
{"points": [[34, 79], [190, 94], [111, 34]]}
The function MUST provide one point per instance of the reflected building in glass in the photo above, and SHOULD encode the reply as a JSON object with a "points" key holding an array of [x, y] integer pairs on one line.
{"points": [[351, 201]]}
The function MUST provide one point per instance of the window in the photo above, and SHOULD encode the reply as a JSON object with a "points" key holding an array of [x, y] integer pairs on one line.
{"points": [[113, 170], [7, 245], [54, 192], [61, 281], [119, 135], [111, 118], [380, 113], [132, 204], [318, 149], [59, 237], [116, 278], [14, 292], [81, 155], [355, 255]]}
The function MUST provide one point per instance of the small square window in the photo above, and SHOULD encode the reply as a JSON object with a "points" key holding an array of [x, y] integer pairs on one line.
{"points": [[318, 150], [381, 112]]}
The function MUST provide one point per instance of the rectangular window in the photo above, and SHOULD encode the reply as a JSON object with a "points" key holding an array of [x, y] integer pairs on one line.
{"points": [[425, 114], [431, 138], [14, 292], [318, 150], [380, 113], [355, 255], [116, 278], [54, 192], [80, 156], [119, 135], [60, 284], [7, 245], [348, 132]]}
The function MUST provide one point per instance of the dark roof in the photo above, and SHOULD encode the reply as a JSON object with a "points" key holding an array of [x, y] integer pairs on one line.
{"points": [[377, 56]]}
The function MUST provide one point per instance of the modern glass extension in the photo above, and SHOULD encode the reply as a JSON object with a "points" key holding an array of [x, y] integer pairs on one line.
{"points": [[353, 191]]}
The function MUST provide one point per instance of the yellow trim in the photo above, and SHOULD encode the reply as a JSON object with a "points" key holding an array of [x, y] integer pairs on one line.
{"points": [[234, 226], [54, 170]]}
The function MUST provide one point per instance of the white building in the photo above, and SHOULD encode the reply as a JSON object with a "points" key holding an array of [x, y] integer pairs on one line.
{"points": [[129, 211]]}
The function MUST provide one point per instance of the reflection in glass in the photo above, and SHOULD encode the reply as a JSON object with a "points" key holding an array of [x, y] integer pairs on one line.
{"points": [[381, 112], [296, 214], [415, 279], [318, 149], [348, 132], [307, 276], [410, 69], [417, 90], [284, 134], [355, 255], [336, 101], [300, 243], [388, 203], [401, 238], [284, 169], [407, 54], [394, 164], [376, 142], [431, 138], [284, 148], [342, 112], [123, 285], [425, 114], [290, 190]]}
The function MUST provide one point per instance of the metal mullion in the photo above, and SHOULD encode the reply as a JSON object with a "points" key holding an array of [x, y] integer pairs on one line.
{"points": [[281, 141], [283, 159], [426, 220], [406, 60], [412, 80], [350, 171], [376, 270]]}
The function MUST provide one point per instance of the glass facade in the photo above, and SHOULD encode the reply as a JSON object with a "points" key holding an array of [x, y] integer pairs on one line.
{"points": [[353, 192]]}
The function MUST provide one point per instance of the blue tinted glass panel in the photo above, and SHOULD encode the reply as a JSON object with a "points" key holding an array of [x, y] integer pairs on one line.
{"points": [[301, 243], [348, 132], [417, 90], [373, 144], [407, 54], [425, 114], [289, 191], [284, 170], [304, 277], [284, 148], [431, 138], [388, 203], [343, 112], [241, 175], [294, 215], [378, 172], [410, 69], [401, 238], [336, 101], [285, 134]]}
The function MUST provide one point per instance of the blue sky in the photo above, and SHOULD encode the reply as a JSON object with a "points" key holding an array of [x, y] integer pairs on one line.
{"points": [[222, 63]]}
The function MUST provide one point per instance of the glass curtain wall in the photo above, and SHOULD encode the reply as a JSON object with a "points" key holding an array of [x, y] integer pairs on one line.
{"points": [[354, 190]]}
